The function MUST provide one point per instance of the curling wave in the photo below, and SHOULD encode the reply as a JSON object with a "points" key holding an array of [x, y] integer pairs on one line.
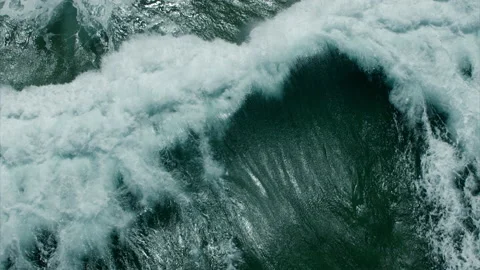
{"points": [[87, 166]]}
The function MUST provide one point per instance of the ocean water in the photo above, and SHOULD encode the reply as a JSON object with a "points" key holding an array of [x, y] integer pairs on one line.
{"points": [[240, 134]]}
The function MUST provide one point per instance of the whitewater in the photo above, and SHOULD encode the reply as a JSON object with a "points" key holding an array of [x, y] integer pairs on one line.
{"points": [[63, 146]]}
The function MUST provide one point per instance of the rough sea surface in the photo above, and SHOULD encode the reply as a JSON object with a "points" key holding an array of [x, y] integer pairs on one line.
{"points": [[239, 134]]}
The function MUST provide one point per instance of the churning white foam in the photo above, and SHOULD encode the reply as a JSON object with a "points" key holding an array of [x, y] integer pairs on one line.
{"points": [[33, 9], [62, 145]]}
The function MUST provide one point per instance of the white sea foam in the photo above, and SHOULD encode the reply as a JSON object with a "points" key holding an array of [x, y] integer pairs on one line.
{"points": [[33, 9], [62, 145]]}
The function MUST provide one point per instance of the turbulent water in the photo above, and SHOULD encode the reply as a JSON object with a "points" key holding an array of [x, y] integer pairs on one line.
{"points": [[240, 134]]}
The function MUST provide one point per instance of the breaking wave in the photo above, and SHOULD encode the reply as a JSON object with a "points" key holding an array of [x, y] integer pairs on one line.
{"points": [[349, 129]]}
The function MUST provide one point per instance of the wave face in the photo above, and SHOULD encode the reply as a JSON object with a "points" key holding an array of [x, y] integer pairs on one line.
{"points": [[337, 135], [322, 178]]}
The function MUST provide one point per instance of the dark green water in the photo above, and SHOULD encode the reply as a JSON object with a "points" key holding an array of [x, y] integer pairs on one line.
{"points": [[319, 178], [71, 42], [336, 171]]}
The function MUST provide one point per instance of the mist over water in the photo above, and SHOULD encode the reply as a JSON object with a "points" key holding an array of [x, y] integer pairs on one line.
{"points": [[335, 135]]}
